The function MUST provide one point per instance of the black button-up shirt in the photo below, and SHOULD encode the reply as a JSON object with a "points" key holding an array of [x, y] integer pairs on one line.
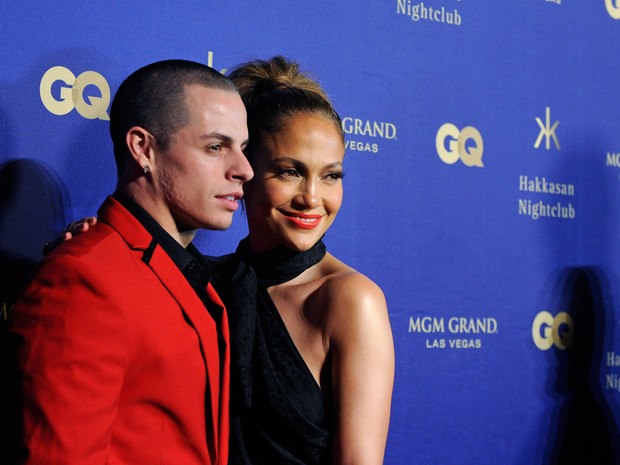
{"points": [[189, 260]]}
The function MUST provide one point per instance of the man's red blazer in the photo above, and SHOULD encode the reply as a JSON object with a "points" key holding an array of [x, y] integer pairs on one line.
{"points": [[120, 359]]}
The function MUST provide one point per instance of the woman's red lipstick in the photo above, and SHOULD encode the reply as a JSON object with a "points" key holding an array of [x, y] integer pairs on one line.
{"points": [[303, 220]]}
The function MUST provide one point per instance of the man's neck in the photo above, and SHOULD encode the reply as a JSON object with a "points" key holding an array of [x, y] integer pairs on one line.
{"points": [[158, 210]]}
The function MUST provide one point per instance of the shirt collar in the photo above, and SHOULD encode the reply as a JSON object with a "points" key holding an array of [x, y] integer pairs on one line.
{"points": [[182, 257]]}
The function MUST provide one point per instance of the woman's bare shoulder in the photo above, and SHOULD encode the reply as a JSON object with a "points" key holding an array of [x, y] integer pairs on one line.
{"points": [[346, 282], [352, 297]]}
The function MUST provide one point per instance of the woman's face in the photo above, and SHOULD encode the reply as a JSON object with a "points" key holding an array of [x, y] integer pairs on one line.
{"points": [[297, 186]]}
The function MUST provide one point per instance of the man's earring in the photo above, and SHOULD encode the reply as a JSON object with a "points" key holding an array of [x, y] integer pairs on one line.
{"points": [[146, 169]]}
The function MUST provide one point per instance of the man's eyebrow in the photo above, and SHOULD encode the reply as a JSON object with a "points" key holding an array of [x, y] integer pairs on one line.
{"points": [[222, 137], [217, 135]]}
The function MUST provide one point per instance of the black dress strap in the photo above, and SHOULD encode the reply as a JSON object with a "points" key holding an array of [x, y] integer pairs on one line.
{"points": [[280, 265]]}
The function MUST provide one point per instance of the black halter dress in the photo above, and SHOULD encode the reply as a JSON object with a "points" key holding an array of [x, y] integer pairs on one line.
{"points": [[279, 414]]}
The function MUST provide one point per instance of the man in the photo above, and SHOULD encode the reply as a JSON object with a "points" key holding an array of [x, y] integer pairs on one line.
{"points": [[122, 343]]}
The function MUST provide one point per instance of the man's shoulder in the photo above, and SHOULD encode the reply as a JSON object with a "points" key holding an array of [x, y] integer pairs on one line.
{"points": [[100, 239], [115, 232]]}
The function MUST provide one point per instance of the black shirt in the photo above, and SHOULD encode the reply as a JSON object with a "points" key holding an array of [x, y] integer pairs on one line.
{"points": [[189, 260]]}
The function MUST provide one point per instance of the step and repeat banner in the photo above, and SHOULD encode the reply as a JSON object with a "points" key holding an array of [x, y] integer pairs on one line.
{"points": [[482, 190]]}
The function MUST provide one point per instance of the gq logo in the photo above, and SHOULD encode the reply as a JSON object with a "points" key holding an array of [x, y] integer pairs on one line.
{"points": [[548, 330], [466, 145], [72, 93], [613, 8]]}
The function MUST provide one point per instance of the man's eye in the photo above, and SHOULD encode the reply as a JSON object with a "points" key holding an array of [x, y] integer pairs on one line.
{"points": [[215, 147]]}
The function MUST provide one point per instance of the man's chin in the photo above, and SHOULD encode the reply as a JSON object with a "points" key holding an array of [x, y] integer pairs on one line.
{"points": [[219, 226]]}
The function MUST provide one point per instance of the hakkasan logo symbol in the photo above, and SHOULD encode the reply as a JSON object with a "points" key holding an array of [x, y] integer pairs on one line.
{"points": [[547, 131], [210, 63], [466, 145], [71, 93], [613, 8], [549, 330]]}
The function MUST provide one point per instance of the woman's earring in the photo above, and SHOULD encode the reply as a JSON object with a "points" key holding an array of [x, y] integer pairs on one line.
{"points": [[146, 169]]}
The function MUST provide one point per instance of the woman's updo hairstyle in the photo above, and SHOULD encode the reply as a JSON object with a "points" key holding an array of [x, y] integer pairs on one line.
{"points": [[275, 90]]}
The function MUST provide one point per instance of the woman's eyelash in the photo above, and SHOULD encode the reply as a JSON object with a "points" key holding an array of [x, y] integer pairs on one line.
{"points": [[335, 175], [287, 172]]}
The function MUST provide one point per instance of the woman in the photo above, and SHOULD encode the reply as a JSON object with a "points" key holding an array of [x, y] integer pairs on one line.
{"points": [[312, 358]]}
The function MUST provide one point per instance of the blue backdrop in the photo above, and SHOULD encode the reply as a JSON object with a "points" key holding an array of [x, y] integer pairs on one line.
{"points": [[482, 189]]}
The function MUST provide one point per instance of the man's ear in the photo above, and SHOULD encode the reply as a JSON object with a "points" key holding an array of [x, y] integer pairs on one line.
{"points": [[141, 145]]}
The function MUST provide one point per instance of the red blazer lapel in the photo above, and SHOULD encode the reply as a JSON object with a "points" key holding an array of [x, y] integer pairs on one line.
{"points": [[224, 407], [205, 327], [171, 277], [130, 229]]}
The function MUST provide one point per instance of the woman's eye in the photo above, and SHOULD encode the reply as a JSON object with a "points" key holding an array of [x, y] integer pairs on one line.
{"points": [[334, 176], [287, 173]]}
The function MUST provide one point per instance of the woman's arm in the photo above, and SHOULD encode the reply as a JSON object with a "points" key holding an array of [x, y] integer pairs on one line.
{"points": [[362, 351]]}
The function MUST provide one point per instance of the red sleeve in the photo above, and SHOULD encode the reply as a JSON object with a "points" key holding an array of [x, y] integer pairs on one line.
{"points": [[73, 350]]}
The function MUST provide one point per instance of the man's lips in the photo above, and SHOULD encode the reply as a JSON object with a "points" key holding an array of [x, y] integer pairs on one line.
{"points": [[231, 200]]}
